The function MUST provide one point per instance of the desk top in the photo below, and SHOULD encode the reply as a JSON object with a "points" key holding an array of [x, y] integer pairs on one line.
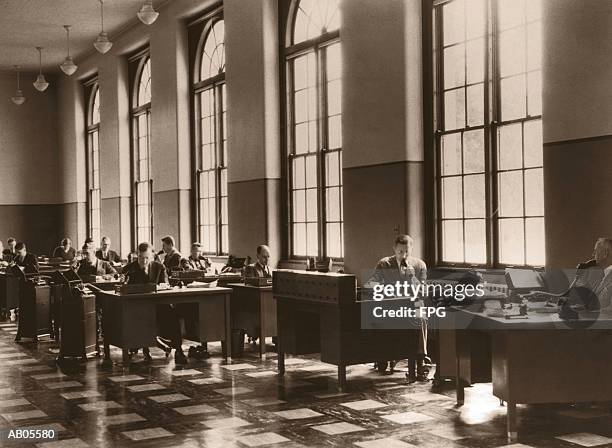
{"points": [[168, 293], [535, 321], [242, 285]]}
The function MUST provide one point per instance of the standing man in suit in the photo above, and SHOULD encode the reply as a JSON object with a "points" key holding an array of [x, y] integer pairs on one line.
{"points": [[25, 259], [146, 270], [261, 268], [91, 265], [403, 267], [106, 253], [172, 259], [10, 252], [65, 251]]}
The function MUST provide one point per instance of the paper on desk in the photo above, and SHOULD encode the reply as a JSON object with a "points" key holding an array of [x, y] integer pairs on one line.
{"points": [[202, 284]]}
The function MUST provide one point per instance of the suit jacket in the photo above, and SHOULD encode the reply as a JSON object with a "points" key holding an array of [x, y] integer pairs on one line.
{"points": [[388, 271], [257, 270], [66, 255], [7, 255], [100, 267], [111, 256], [136, 275], [29, 263], [172, 260]]}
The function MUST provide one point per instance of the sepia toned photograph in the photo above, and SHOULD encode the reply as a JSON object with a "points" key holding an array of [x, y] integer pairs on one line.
{"points": [[305, 223]]}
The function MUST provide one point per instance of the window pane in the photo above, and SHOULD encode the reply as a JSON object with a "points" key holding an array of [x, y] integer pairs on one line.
{"points": [[475, 61], [301, 138], [454, 22], [312, 239], [334, 97], [513, 97], [535, 241], [311, 205], [301, 106], [534, 192], [510, 147], [511, 13], [334, 240], [512, 52], [534, 46], [332, 169], [311, 172], [299, 206], [312, 137], [334, 125], [533, 143], [535, 93], [473, 151], [451, 154], [475, 241], [334, 62], [474, 196], [511, 241], [511, 193], [298, 173], [452, 242], [475, 14], [454, 109], [475, 104], [300, 73], [333, 204], [299, 239], [454, 66], [534, 10], [452, 195]]}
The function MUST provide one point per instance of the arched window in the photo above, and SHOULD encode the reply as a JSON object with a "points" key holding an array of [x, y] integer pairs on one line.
{"points": [[93, 161], [210, 106], [314, 134], [488, 132], [141, 147]]}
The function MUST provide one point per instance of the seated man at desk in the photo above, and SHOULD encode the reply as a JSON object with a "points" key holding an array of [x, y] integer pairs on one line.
{"points": [[91, 265], [172, 258], [65, 251], [106, 253], [195, 261], [9, 253], [593, 280], [400, 267], [25, 259], [146, 270], [261, 267]]}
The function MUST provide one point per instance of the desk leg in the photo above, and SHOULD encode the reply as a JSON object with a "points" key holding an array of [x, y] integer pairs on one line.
{"points": [[126, 356], [280, 358], [459, 384], [262, 333], [511, 423], [228, 330], [341, 378]]}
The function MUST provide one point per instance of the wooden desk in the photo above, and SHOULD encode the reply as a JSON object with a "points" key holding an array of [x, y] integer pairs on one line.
{"points": [[319, 313], [253, 309], [129, 320], [9, 292], [538, 360]]}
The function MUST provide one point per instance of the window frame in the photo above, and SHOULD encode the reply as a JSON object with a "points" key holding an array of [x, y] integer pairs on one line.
{"points": [[217, 87], [289, 52], [92, 130], [137, 63], [492, 123]]}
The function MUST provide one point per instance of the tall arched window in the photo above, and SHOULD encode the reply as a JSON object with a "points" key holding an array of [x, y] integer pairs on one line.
{"points": [[93, 161], [314, 134], [141, 141], [210, 106], [488, 131]]}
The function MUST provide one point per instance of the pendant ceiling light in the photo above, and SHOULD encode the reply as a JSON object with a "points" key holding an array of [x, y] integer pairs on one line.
{"points": [[41, 83], [147, 14], [68, 66], [18, 99], [102, 44]]}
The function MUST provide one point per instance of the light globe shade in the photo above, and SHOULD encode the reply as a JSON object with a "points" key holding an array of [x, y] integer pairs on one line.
{"points": [[41, 83], [68, 66], [147, 14], [18, 99], [102, 44]]}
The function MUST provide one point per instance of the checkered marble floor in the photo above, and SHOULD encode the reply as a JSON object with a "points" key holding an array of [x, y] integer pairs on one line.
{"points": [[211, 403]]}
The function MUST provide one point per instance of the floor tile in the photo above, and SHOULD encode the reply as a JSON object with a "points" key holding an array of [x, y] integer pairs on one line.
{"points": [[196, 409], [333, 429], [585, 439], [23, 415], [186, 372], [262, 374], [426, 397], [100, 405], [263, 438], [242, 366], [169, 398], [122, 419], [14, 402], [263, 401], [145, 387], [234, 390], [294, 414], [363, 405], [63, 384], [225, 423], [147, 434], [212, 380], [406, 418], [48, 376], [84, 394], [125, 378], [387, 442], [64, 443]]}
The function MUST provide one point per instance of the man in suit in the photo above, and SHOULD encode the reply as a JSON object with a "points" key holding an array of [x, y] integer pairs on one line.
{"points": [[91, 265], [24, 259], [172, 259], [261, 268], [106, 253], [9, 253], [195, 261], [146, 270], [65, 251], [403, 267]]}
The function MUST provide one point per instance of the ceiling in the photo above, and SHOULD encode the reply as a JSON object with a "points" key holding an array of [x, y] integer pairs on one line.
{"points": [[26, 24]]}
